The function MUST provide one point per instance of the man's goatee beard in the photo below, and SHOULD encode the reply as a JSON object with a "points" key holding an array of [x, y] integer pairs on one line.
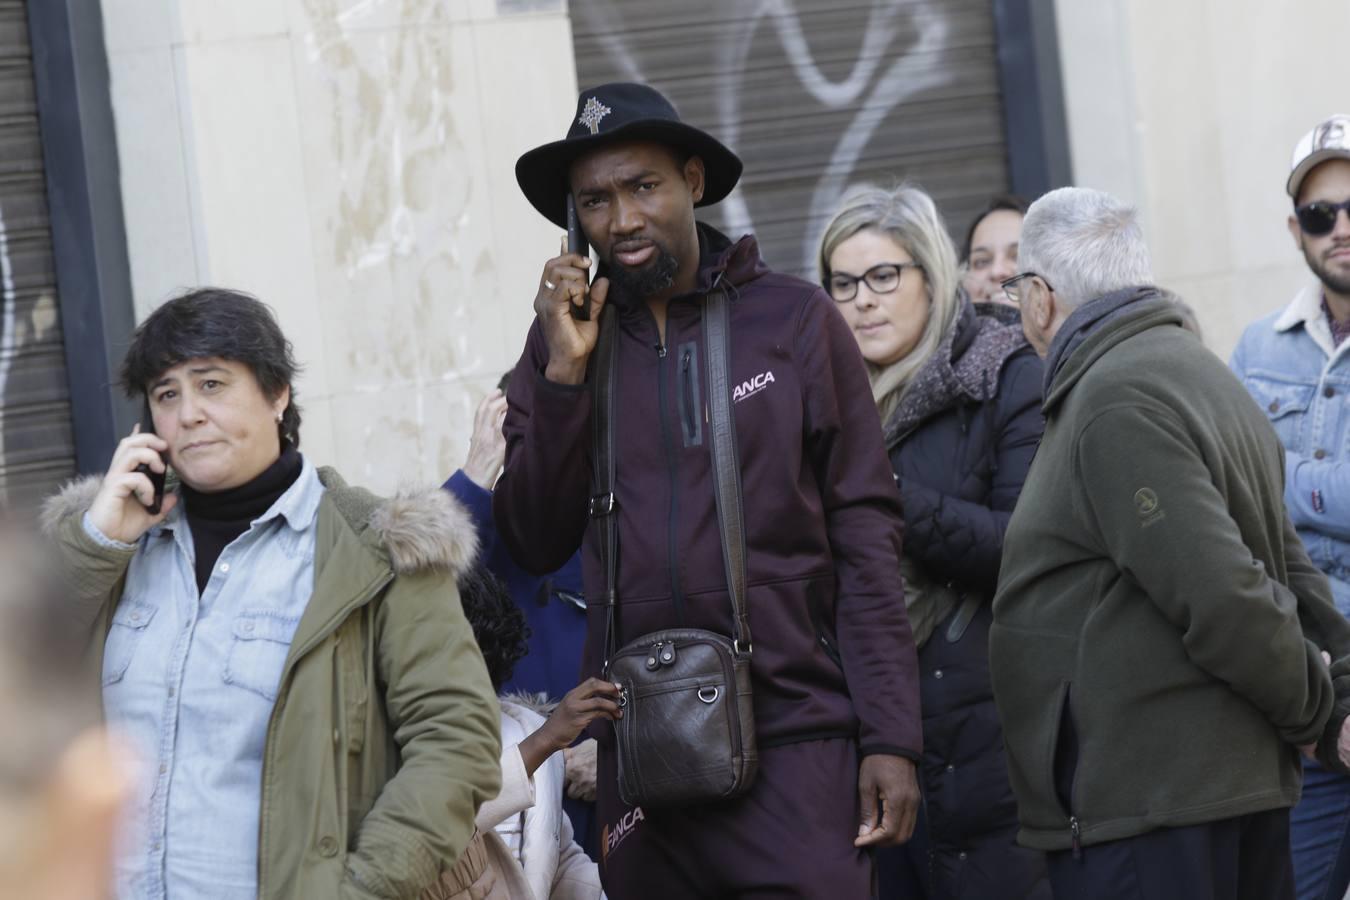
{"points": [[1335, 283], [630, 286]]}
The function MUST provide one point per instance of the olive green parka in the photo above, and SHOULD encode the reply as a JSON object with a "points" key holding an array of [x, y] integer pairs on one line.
{"points": [[384, 739]]}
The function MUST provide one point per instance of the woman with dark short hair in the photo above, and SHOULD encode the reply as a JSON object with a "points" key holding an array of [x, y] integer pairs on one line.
{"points": [[989, 254], [286, 653], [959, 398]]}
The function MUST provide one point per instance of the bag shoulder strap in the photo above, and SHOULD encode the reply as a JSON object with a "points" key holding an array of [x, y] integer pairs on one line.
{"points": [[726, 464], [603, 507], [726, 469]]}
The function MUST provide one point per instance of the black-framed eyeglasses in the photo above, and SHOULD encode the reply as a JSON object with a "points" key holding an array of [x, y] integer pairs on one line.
{"points": [[1319, 217], [883, 278], [1013, 286]]}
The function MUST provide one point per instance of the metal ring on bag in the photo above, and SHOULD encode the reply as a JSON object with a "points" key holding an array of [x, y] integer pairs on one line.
{"points": [[623, 699], [703, 691]]}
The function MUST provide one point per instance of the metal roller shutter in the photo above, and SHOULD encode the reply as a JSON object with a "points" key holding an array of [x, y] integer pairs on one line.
{"points": [[816, 96], [36, 441]]}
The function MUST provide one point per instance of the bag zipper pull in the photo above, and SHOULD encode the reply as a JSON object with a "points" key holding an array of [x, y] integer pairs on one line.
{"points": [[1076, 831]]}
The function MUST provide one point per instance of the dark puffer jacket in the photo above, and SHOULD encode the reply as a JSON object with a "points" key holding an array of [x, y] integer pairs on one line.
{"points": [[960, 453]]}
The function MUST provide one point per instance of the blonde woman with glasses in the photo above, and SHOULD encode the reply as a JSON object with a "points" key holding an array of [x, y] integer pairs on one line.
{"points": [[959, 398]]}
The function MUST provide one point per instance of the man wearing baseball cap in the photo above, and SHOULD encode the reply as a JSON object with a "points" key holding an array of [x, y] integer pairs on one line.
{"points": [[833, 670], [1296, 364]]}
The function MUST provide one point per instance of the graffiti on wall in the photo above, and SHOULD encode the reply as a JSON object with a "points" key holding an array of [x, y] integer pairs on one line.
{"points": [[857, 75], [36, 438], [9, 332]]}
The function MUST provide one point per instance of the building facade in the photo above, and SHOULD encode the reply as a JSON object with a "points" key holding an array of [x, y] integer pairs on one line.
{"points": [[351, 163]]}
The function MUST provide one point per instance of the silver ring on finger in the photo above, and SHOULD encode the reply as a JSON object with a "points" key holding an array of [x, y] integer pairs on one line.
{"points": [[550, 285]]}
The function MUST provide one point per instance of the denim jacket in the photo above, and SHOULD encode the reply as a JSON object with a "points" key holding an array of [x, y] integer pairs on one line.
{"points": [[1290, 364], [191, 680]]}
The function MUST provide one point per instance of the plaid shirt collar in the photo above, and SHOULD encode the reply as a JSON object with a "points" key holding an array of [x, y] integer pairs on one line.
{"points": [[1339, 330]]}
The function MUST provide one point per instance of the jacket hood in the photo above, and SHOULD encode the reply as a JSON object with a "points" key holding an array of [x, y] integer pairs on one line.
{"points": [[965, 367], [737, 261], [1153, 307], [74, 498], [422, 529]]}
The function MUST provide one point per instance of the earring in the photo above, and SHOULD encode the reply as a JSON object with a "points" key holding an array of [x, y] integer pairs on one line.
{"points": [[280, 416]]}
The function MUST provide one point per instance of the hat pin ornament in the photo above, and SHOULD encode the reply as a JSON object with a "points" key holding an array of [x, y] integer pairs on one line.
{"points": [[593, 112]]}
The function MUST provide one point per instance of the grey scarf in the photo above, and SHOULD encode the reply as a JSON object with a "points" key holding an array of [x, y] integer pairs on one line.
{"points": [[1087, 320]]}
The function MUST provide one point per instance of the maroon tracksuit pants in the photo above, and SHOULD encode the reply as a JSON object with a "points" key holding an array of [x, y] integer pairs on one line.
{"points": [[791, 836]]}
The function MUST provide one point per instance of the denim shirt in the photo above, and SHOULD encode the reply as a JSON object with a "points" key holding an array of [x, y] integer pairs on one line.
{"points": [[191, 681], [1291, 365]]}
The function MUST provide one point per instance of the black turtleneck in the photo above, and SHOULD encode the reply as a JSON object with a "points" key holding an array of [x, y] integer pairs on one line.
{"points": [[217, 519]]}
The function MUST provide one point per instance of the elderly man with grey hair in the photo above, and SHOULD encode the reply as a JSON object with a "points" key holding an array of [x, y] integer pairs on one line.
{"points": [[1158, 629]]}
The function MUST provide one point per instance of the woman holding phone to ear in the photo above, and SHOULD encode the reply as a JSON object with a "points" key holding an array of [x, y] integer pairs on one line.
{"points": [[288, 654]]}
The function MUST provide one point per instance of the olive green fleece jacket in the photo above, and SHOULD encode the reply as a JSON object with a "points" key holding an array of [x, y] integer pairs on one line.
{"points": [[384, 740], [1154, 593]]}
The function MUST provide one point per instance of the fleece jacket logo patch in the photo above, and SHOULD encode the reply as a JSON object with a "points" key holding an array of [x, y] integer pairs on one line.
{"points": [[1147, 505], [751, 387], [611, 838]]}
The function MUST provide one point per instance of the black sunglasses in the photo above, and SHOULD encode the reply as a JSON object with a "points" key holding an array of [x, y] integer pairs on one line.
{"points": [[1319, 217]]}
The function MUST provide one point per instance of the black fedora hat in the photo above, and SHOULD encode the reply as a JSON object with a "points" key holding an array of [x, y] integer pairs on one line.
{"points": [[621, 111]]}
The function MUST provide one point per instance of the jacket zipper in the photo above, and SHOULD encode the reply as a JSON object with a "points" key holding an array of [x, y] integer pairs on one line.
{"points": [[688, 390], [677, 596], [1075, 836], [818, 621]]}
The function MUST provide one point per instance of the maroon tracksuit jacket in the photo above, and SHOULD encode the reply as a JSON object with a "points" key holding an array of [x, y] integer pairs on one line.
{"points": [[833, 653]]}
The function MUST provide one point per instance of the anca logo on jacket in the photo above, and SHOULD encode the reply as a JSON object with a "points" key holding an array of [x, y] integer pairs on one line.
{"points": [[751, 387], [610, 838]]}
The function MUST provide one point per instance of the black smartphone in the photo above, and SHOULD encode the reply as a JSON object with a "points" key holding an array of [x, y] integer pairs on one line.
{"points": [[576, 243], [156, 478]]}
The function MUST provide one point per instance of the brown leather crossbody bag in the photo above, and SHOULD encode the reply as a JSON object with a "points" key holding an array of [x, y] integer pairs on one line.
{"points": [[687, 734]]}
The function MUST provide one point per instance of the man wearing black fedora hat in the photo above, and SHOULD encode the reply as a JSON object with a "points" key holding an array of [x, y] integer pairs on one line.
{"points": [[832, 663]]}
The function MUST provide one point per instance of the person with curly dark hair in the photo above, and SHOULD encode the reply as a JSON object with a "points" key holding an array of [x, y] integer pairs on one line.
{"points": [[536, 847], [554, 607], [498, 624]]}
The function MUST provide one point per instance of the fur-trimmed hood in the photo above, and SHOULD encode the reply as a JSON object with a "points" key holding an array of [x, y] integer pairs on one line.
{"points": [[74, 498], [538, 703], [421, 529]]}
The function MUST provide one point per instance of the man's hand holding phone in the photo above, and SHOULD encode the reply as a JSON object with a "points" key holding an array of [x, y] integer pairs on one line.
{"points": [[570, 340], [121, 509]]}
